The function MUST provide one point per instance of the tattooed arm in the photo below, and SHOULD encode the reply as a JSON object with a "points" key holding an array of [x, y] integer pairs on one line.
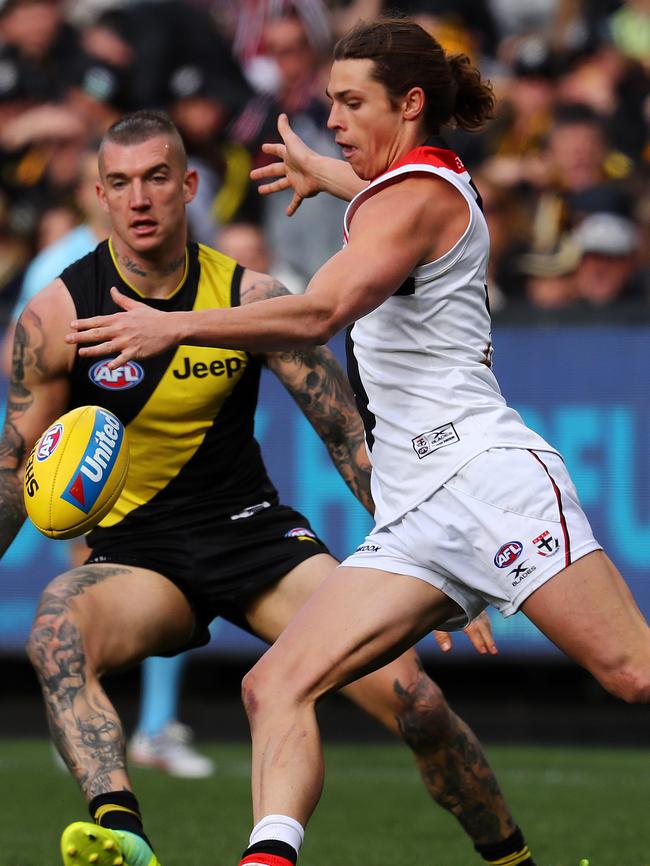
{"points": [[37, 395], [317, 383]]}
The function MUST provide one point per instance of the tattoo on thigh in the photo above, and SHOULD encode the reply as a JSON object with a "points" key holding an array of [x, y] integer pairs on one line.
{"points": [[56, 598]]}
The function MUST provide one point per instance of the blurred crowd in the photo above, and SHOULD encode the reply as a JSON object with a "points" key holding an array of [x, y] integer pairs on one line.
{"points": [[563, 168]]}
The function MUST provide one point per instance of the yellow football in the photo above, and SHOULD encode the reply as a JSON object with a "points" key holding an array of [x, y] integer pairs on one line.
{"points": [[76, 472]]}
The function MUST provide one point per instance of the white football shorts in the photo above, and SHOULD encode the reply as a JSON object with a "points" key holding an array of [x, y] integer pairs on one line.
{"points": [[494, 533]]}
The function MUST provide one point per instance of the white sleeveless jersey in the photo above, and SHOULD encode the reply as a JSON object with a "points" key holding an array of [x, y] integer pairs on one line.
{"points": [[420, 363]]}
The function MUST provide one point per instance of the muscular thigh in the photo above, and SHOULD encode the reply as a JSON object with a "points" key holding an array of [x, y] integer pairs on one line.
{"points": [[120, 613], [355, 622], [269, 612], [387, 693]]}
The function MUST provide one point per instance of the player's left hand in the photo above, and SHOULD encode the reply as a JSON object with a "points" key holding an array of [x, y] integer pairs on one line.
{"points": [[139, 332], [479, 631]]}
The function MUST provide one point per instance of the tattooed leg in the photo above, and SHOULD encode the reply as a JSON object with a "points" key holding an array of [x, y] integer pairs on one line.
{"points": [[450, 759], [83, 723], [75, 640]]}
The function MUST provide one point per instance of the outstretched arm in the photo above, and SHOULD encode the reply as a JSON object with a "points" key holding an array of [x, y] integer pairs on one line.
{"points": [[393, 232], [38, 394], [304, 171]]}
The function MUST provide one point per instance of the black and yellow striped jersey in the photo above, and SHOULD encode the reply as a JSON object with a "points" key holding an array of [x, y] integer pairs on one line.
{"points": [[189, 413]]}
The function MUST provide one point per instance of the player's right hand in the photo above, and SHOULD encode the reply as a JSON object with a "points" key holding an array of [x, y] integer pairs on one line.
{"points": [[295, 170], [479, 631]]}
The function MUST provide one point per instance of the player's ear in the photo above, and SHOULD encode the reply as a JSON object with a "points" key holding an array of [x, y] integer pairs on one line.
{"points": [[101, 195], [190, 185], [413, 104]]}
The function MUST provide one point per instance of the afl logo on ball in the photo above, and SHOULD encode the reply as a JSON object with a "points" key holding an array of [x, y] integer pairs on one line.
{"points": [[507, 553], [49, 441], [126, 376]]}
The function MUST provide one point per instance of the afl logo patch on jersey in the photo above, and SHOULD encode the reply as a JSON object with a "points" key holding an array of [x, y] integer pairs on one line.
{"points": [[127, 376], [49, 442], [301, 533], [508, 553]]}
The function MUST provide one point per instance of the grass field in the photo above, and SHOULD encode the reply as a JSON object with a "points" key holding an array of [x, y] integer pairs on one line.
{"points": [[572, 803]]}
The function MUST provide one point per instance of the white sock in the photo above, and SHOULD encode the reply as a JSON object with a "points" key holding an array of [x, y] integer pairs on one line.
{"points": [[280, 827]]}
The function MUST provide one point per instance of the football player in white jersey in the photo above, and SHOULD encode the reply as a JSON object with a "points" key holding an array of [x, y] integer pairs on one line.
{"points": [[462, 487]]}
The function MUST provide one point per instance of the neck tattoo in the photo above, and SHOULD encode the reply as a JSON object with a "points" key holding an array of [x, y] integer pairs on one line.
{"points": [[167, 269]]}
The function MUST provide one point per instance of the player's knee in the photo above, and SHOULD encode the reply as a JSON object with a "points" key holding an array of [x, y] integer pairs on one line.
{"points": [[266, 688], [424, 717], [257, 691]]}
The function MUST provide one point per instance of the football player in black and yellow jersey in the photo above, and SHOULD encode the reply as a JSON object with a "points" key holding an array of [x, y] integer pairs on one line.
{"points": [[198, 531]]}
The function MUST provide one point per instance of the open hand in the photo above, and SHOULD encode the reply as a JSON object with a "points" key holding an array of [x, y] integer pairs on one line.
{"points": [[139, 332], [294, 171], [479, 631]]}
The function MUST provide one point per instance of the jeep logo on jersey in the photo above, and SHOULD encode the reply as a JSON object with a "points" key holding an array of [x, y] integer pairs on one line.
{"points": [[507, 553], [126, 376], [96, 463], [228, 368], [49, 441]]}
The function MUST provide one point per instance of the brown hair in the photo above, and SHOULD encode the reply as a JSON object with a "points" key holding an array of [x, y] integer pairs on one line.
{"points": [[139, 126], [406, 56]]}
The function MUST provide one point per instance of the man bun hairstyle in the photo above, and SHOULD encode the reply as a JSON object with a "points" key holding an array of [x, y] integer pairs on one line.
{"points": [[139, 126], [406, 56]]}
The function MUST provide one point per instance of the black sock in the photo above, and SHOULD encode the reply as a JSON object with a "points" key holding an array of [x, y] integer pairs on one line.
{"points": [[272, 848], [512, 851], [118, 810]]}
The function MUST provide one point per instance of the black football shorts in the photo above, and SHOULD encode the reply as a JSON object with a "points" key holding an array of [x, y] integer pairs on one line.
{"points": [[219, 565]]}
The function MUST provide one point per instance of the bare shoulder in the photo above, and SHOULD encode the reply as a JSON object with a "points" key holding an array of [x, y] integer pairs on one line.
{"points": [[56, 300], [260, 287], [43, 325], [415, 196], [422, 211]]}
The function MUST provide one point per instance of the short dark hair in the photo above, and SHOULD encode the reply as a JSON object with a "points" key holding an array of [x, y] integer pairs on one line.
{"points": [[139, 126], [406, 56]]}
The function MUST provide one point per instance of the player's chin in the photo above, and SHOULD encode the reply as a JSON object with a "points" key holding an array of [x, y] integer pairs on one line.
{"points": [[146, 242]]}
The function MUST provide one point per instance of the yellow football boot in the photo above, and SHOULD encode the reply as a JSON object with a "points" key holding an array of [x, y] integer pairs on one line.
{"points": [[87, 844]]}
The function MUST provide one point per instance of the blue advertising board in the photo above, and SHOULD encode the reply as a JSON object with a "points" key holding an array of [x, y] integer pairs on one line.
{"points": [[586, 390]]}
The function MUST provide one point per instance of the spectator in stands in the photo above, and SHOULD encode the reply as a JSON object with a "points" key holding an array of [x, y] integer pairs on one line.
{"points": [[515, 139], [245, 242], [608, 272], [577, 166], [35, 35], [152, 38], [97, 95], [51, 260], [301, 245], [550, 280], [244, 25], [202, 105]]}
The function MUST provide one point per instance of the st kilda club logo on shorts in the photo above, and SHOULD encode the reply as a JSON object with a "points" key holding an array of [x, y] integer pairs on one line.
{"points": [[508, 553], [546, 544]]}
